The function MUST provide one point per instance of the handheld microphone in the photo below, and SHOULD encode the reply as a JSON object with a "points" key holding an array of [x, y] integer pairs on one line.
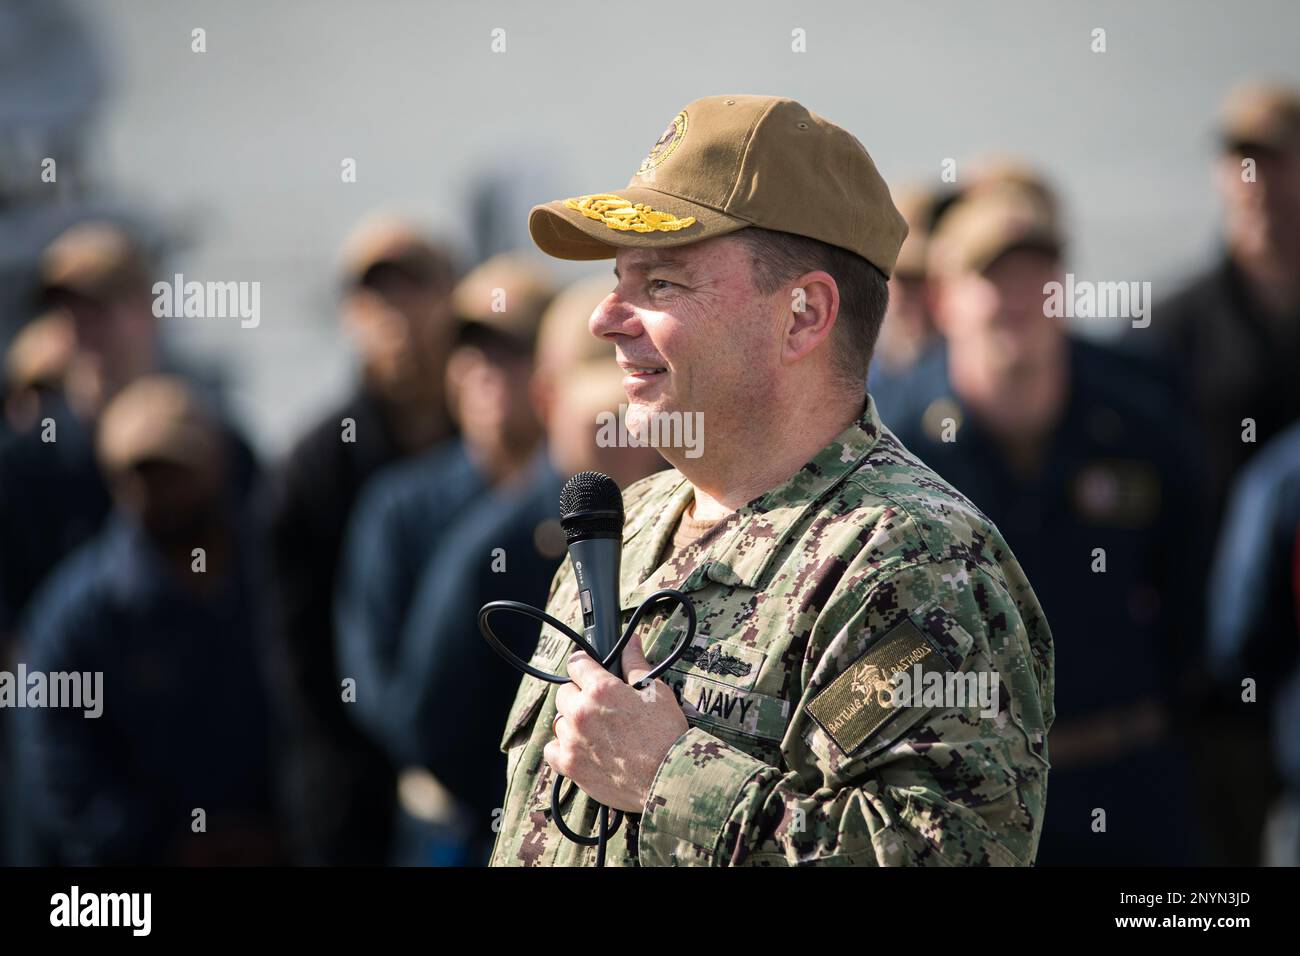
{"points": [[591, 514]]}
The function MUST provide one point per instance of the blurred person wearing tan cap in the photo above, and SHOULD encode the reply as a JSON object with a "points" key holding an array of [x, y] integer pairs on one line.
{"points": [[396, 285], [405, 511], [447, 693], [752, 249], [500, 305], [99, 276], [35, 366], [165, 602], [498, 383], [1063, 445], [908, 331], [1230, 338], [397, 310], [998, 172], [95, 279], [400, 532], [1231, 335]]}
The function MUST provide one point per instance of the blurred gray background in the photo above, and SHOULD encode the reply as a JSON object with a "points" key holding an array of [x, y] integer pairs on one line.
{"points": [[232, 157]]}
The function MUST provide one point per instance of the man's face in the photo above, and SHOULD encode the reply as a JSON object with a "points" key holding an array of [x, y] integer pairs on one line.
{"points": [[172, 502], [908, 326], [908, 309], [489, 383], [115, 339], [402, 326], [996, 317], [1261, 214], [691, 331]]}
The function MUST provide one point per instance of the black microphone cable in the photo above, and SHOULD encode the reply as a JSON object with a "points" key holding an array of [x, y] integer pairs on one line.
{"points": [[606, 826]]}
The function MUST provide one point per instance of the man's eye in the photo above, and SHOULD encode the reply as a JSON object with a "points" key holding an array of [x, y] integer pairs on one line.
{"points": [[660, 285]]}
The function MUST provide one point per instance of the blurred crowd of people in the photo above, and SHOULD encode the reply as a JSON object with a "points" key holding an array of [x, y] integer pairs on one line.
{"points": [[275, 642], [1148, 488], [292, 666]]}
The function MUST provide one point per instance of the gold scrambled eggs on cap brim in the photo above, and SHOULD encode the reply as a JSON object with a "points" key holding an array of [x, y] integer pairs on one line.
{"points": [[595, 225]]}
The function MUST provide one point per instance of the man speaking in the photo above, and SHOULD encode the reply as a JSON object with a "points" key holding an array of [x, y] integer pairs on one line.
{"points": [[870, 681]]}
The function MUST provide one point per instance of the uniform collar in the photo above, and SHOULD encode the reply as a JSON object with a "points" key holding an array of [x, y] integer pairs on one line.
{"points": [[754, 534]]}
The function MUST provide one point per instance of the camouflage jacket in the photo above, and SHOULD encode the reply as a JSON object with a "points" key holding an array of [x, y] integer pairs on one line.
{"points": [[809, 599]]}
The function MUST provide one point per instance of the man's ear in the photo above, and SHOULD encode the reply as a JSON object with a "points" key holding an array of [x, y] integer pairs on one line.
{"points": [[814, 306]]}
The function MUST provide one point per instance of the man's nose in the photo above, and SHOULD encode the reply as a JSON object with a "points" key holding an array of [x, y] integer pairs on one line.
{"points": [[614, 316]]}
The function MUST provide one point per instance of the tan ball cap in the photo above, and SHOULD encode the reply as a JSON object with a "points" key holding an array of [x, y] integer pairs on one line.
{"points": [[95, 259], [1266, 114], [1002, 172], [916, 202], [982, 226], [40, 353], [386, 239], [157, 418], [727, 162], [507, 294]]}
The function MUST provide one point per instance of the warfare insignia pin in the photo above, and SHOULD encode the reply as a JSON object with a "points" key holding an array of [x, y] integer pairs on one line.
{"points": [[713, 661]]}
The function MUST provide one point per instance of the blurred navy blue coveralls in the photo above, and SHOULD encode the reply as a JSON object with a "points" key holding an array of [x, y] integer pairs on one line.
{"points": [[419, 563], [185, 722], [1254, 611], [1114, 476], [398, 524]]}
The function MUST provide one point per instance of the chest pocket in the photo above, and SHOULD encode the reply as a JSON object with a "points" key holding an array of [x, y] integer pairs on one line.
{"points": [[552, 651], [715, 683]]}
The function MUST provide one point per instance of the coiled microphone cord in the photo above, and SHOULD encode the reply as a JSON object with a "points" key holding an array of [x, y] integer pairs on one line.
{"points": [[607, 825]]}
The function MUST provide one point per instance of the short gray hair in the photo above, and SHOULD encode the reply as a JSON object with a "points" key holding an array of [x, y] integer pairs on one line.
{"points": [[777, 257]]}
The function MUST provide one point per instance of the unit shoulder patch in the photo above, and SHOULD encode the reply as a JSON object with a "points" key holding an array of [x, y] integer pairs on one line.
{"points": [[855, 705]]}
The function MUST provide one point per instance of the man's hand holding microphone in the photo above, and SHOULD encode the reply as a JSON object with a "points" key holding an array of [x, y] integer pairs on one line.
{"points": [[609, 738]]}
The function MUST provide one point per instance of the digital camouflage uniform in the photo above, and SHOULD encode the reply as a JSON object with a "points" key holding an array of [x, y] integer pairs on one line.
{"points": [[863, 563]]}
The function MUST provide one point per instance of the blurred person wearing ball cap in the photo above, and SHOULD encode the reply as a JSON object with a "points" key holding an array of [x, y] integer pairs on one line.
{"points": [[409, 507], [395, 284], [95, 281], [908, 331], [1230, 341], [99, 276], [1233, 331], [165, 602], [36, 364], [447, 687], [752, 249], [503, 356], [95, 278], [1059, 442]]}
